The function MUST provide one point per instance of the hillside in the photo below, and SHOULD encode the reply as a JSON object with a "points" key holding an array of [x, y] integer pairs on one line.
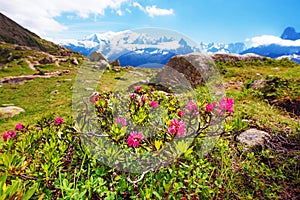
{"points": [[13, 33]]}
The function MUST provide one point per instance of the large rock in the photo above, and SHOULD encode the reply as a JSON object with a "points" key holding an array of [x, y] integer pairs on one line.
{"points": [[10, 111], [96, 56], [252, 138], [233, 58], [47, 60], [195, 68], [115, 63]]}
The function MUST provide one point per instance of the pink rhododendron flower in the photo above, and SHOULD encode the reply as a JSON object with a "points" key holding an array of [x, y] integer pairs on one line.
{"points": [[134, 139], [177, 127], [9, 134], [19, 127], [153, 104], [180, 113], [131, 96], [143, 99], [226, 104], [6, 136], [94, 98], [138, 88], [58, 121], [121, 121], [192, 108], [210, 107]]}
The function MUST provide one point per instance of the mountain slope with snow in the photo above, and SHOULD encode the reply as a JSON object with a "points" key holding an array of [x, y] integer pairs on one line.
{"points": [[134, 48], [147, 46]]}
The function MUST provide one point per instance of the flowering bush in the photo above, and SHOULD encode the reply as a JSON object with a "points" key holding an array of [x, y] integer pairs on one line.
{"points": [[147, 122]]}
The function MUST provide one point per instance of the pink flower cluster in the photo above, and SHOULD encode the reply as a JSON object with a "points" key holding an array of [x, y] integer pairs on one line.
{"points": [[153, 104], [134, 139], [138, 89], [193, 108], [121, 121], [180, 113], [177, 127], [225, 104], [19, 127], [12, 133], [94, 98], [58, 121], [9, 134]]}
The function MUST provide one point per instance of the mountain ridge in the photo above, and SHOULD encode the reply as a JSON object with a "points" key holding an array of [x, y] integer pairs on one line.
{"points": [[104, 43], [13, 33]]}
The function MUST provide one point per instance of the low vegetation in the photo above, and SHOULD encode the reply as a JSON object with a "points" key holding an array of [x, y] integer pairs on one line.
{"points": [[46, 158]]}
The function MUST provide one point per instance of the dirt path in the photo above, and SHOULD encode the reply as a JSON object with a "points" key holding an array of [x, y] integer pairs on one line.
{"points": [[22, 78], [30, 65]]}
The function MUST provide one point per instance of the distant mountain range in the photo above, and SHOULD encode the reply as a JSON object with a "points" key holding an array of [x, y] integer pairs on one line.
{"points": [[135, 48], [140, 48]]}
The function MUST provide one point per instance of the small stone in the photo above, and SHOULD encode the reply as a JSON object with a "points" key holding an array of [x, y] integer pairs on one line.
{"points": [[55, 92], [74, 61], [252, 138], [258, 84], [89, 89]]}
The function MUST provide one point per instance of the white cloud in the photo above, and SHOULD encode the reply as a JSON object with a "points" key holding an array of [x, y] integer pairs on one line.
{"points": [[39, 15], [136, 4], [153, 11], [270, 39]]}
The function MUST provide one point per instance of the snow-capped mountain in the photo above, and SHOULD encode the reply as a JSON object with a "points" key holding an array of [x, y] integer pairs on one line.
{"points": [[287, 46], [223, 48], [147, 46], [134, 48]]}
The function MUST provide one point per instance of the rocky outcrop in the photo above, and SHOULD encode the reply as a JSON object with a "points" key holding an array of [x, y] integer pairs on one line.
{"points": [[233, 58], [115, 63], [10, 111], [74, 61], [191, 67], [96, 56], [47, 60]]}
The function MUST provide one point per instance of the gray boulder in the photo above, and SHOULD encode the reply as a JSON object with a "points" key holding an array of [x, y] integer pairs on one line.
{"points": [[252, 138], [196, 68], [10, 111]]}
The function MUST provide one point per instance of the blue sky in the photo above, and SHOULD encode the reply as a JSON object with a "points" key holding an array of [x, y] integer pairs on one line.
{"points": [[201, 20]]}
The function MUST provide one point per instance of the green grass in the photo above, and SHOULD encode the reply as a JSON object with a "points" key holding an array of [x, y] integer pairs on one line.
{"points": [[15, 68], [227, 172]]}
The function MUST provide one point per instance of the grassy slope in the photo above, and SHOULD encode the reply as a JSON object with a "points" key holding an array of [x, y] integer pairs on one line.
{"points": [[36, 98], [226, 172]]}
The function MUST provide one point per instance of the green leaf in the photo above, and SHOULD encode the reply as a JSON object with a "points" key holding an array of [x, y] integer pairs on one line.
{"points": [[29, 193]]}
